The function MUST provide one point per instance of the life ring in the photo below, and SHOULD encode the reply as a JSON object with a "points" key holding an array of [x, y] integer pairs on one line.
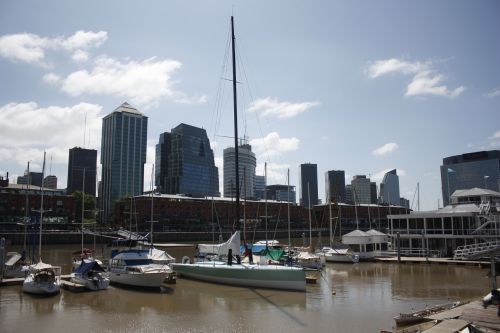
{"points": [[186, 260]]}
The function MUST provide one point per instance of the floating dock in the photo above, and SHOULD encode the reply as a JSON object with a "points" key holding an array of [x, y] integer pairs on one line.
{"points": [[436, 261]]}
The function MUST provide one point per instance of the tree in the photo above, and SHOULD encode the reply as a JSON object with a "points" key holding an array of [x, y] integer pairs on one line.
{"points": [[89, 206]]}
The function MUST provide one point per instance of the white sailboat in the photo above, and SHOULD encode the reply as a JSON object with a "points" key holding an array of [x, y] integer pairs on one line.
{"points": [[241, 274], [42, 278]]}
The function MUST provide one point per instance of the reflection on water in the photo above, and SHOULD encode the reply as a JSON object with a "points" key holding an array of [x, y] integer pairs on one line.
{"points": [[367, 296]]}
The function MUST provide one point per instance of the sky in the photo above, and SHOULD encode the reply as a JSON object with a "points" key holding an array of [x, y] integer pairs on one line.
{"points": [[360, 86]]}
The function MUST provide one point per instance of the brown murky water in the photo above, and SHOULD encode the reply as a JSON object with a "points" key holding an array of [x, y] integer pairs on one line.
{"points": [[367, 296]]}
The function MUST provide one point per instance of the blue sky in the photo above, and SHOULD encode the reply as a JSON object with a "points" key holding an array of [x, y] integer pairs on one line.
{"points": [[361, 86]]}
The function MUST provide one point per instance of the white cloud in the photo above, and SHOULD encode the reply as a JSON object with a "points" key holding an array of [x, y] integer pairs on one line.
{"points": [[272, 145], [143, 83], [51, 78], [496, 135], [54, 129], [150, 160], [385, 149], [425, 80], [31, 48], [272, 107], [493, 93], [377, 177], [80, 56]]}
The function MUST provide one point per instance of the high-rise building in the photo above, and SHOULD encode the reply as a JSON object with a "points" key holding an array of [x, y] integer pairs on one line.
{"points": [[247, 163], [123, 154], [478, 169], [403, 202], [190, 168], [50, 182], [162, 155], [361, 190], [335, 186], [34, 178], [308, 184], [280, 192], [389, 188], [373, 192], [81, 159], [259, 187]]}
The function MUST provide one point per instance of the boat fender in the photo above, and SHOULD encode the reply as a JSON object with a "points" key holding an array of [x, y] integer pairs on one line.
{"points": [[186, 260]]}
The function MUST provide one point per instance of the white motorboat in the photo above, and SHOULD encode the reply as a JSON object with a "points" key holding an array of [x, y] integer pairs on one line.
{"points": [[139, 267], [91, 275], [339, 255], [42, 279]]}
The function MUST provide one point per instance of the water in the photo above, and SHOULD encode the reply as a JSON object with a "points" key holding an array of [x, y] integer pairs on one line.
{"points": [[367, 296]]}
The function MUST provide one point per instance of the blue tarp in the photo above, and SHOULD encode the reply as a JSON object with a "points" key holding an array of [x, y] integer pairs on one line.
{"points": [[87, 266]]}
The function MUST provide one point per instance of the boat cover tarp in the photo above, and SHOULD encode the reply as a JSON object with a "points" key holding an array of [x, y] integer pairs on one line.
{"points": [[306, 256], [160, 255], [87, 266], [41, 266], [223, 248], [12, 260], [274, 254]]}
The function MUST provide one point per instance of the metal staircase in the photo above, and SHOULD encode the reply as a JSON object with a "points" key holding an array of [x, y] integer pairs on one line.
{"points": [[475, 250]]}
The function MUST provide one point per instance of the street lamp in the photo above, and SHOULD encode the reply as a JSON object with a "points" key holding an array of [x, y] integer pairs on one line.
{"points": [[485, 178]]}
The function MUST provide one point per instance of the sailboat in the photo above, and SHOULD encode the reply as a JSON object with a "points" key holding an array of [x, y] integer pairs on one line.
{"points": [[240, 274], [42, 279], [87, 270]]}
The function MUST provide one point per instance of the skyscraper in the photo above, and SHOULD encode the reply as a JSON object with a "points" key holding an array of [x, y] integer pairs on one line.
{"points": [[361, 191], [190, 168], [80, 159], [308, 175], [247, 164], [389, 188], [34, 178], [373, 192], [478, 169], [50, 182], [335, 186], [162, 155], [123, 154], [259, 187]]}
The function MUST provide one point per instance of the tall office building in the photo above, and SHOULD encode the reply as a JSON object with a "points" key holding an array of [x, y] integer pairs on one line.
{"points": [[34, 178], [373, 192], [478, 169], [80, 159], [349, 197], [259, 187], [50, 182], [389, 188], [361, 189], [281, 192], [335, 186], [308, 179], [123, 154], [162, 155], [190, 168], [247, 163]]}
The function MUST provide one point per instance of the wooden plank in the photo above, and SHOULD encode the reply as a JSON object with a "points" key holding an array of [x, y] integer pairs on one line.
{"points": [[448, 326], [448, 314], [475, 313]]}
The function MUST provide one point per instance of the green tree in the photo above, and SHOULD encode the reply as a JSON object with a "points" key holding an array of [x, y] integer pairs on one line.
{"points": [[89, 207]]}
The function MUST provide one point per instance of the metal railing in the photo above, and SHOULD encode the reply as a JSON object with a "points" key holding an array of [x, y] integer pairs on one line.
{"points": [[465, 251]]}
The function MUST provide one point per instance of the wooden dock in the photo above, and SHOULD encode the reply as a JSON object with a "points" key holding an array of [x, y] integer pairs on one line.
{"points": [[19, 281], [436, 261]]}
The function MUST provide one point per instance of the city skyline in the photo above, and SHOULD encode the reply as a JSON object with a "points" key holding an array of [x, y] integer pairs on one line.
{"points": [[333, 83]]}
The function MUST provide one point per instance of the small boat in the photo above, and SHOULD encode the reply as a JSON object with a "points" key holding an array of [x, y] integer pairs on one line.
{"points": [[404, 319], [139, 267], [83, 255], [91, 275], [15, 265], [309, 260], [339, 255], [42, 279]]}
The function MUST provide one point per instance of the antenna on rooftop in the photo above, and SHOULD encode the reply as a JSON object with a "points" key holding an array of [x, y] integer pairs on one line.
{"points": [[50, 168], [85, 130]]}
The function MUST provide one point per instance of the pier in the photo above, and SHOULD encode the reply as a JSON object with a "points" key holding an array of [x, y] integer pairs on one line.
{"points": [[436, 261]]}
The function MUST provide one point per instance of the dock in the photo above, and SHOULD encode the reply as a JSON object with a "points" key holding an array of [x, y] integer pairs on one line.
{"points": [[19, 281], [435, 261]]}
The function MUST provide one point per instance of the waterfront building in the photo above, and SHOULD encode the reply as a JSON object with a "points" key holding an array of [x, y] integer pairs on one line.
{"points": [[308, 184], [80, 159], [361, 189], [389, 188], [349, 198], [259, 187], [33, 178], [335, 186], [123, 155], [478, 169], [373, 192], [280, 192], [163, 149], [50, 182], [190, 163], [403, 202], [473, 217], [247, 164]]}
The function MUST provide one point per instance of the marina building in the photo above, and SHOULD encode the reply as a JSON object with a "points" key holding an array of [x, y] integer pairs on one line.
{"points": [[478, 169], [81, 159], [361, 189], [471, 218], [186, 162], [389, 188], [247, 164], [335, 186], [123, 154], [281, 192], [308, 185]]}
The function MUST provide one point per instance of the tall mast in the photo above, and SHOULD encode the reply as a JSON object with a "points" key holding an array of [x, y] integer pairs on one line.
{"points": [[41, 214], [288, 207], [152, 205], [235, 107], [27, 208], [83, 205]]}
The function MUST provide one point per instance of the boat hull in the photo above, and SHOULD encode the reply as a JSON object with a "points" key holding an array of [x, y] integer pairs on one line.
{"points": [[341, 258], [30, 286], [144, 280], [258, 276], [94, 284]]}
